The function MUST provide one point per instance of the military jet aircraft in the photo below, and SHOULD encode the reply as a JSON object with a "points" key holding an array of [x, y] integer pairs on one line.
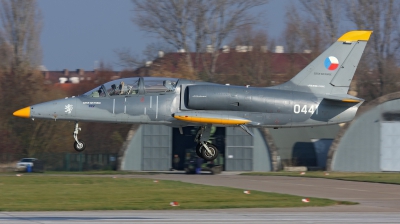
{"points": [[315, 96]]}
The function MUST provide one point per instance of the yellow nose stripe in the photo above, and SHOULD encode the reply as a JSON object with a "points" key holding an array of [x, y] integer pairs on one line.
{"points": [[24, 112]]}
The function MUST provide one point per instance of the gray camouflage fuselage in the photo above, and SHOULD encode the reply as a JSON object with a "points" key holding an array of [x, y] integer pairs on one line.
{"points": [[265, 107]]}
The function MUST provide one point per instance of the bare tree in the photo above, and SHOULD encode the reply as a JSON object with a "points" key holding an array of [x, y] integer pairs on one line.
{"points": [[315, 25], [302, 34], [127, 59], [250, 64], [21, 24], [20, 82], [222, 19], [167, 19], [192, 25], [131, 61], [20, 29], [382, 52], [327, 14]]}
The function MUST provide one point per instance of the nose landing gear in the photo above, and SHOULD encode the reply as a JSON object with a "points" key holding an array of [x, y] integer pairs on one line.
{"points": [[79, 145], [204, 149]]}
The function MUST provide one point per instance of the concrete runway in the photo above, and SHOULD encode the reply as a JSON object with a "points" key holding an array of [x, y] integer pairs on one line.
{"points": [[215, 216], [379, 203]]}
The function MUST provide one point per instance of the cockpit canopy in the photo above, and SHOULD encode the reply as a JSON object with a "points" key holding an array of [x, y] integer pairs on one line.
{"points": [[133, 86]]}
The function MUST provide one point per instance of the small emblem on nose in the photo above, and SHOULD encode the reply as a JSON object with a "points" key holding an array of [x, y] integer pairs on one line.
{"points": [[69, 108]]}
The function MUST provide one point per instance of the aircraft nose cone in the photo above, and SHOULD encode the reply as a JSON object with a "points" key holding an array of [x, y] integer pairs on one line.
{"points": [[24, 112]]}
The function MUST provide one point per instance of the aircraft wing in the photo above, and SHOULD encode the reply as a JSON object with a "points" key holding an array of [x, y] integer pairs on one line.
{"points": [[210, 118]]}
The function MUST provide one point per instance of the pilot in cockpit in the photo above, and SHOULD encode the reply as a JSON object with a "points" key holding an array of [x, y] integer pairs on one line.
{"points": [[101, 92], [168, 84], [122, 88], [113, 90], [98, 93]]}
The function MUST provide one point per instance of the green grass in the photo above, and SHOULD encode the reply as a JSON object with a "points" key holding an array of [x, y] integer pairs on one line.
{"points": [[95, 172], [388, 178], [102, 172], [53, 193]]}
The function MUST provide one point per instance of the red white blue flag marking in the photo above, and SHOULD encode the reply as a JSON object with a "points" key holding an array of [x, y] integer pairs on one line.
{"points": [[331, 63]]}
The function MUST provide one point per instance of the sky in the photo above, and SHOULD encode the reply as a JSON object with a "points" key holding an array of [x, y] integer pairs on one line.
{"points": [[81, 33]]}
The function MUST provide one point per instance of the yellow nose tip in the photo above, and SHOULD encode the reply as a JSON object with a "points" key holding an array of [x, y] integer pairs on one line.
{"points": [[24, 112]]}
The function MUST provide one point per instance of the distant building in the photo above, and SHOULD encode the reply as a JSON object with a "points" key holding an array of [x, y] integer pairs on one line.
{"points": [[279, 65], [75, 77]]}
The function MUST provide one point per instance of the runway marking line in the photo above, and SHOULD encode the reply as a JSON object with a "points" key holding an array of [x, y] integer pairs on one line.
{"points": [[350, 189]]}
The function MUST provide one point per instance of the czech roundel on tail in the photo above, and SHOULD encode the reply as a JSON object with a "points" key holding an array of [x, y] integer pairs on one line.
{"points": [[317, 95]]}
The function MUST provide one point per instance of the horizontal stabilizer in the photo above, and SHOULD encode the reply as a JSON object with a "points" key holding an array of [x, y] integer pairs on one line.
{"points": [[209, 118]]}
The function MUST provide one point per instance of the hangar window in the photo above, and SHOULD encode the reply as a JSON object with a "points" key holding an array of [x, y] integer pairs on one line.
{"points": [[159, 85], [391, 116]]}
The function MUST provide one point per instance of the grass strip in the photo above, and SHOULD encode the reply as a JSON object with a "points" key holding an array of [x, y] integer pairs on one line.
{"points": [[387, 178], [67, 193], [94, 172]]}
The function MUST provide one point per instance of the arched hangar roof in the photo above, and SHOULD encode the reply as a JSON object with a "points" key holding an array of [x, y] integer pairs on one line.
{"points": [[358, 140]]}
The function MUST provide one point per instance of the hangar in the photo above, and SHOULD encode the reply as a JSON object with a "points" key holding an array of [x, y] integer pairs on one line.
{"points": [[371, 142], [153, 147]]}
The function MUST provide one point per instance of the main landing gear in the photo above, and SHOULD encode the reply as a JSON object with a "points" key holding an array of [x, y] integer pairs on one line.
{"points": [[79, 145], [204, 149]]}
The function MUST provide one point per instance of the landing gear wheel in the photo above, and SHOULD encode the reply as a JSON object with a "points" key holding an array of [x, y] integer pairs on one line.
{"points": [[210, 154], [79, 146], [198, 152]]}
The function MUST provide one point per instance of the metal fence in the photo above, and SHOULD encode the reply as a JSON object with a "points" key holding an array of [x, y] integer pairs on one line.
{"points": [[63, 161]]}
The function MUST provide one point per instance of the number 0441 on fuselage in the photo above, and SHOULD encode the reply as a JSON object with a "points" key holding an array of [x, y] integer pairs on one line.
{"points": [[315, 96]]}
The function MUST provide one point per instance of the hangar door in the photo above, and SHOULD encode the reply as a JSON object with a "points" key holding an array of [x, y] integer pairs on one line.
{"points": [[390, 146], [239, 150], [157, 146]]}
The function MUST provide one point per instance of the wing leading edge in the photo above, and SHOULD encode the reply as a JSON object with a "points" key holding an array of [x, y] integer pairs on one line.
{"points": [[210, 118]]}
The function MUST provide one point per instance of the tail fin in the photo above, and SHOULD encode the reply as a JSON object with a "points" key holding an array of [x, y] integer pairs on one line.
{"points": [[332, 71]]}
